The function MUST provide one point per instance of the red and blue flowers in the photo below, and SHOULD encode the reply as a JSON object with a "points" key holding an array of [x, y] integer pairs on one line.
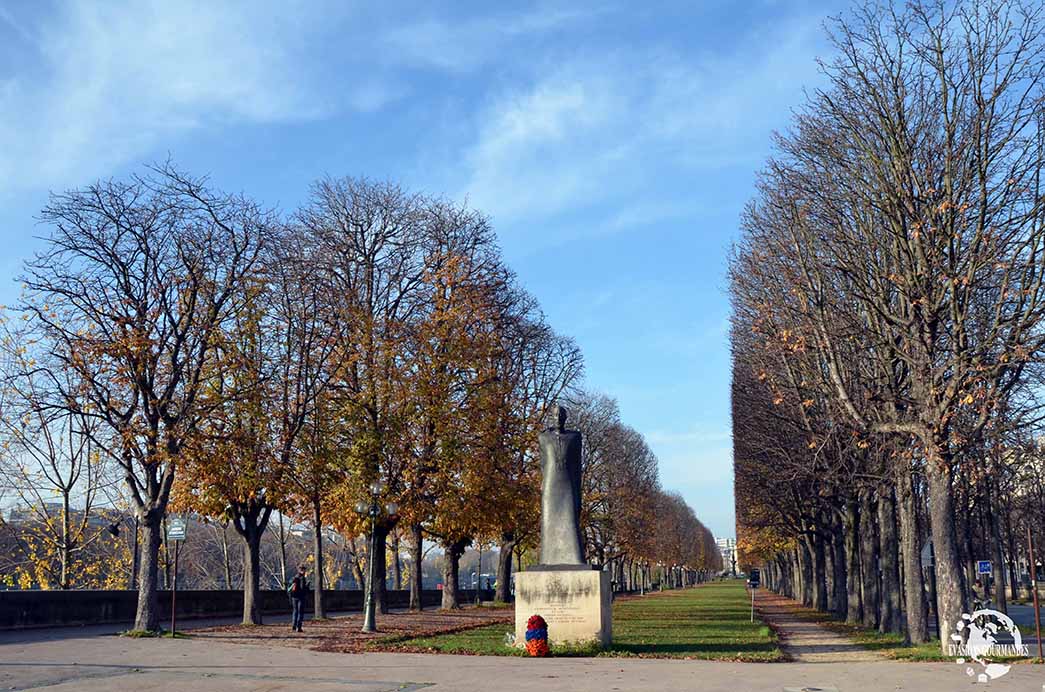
{"points": [[537, 636]]}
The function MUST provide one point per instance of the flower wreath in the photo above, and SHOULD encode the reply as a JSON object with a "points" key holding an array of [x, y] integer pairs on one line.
{"points": [[537, 636]]}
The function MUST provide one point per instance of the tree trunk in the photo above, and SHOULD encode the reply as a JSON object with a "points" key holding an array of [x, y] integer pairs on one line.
{"points": [[252, 576], [829, 567], [66, 548], [1013, 579], [794, 586], [378, 590], [225, 556], [889, 545], [805, 562], [994, 519], [136, 554], [282, 555], [416, 572], [147, 617], [815, 547], [998, 573], [852, 562], [910, 541], [838, 597], [790, 576], [504, 568], [357, 569], [451, 566], [869, 592], [794, 575], [250, 525], [397, 565], [319, 611], [966, 519], [950, 579]]}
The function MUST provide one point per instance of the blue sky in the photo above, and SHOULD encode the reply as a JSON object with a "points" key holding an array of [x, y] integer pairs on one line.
{"points": [[613, 144]]}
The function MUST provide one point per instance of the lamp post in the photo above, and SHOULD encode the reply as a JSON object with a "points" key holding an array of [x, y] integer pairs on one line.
{"points": [[610, 555], [479, 577], [373, 510]]}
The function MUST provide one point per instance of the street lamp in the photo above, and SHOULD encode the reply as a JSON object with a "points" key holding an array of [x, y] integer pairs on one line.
{"points": [[609, 556], [373, 510]]}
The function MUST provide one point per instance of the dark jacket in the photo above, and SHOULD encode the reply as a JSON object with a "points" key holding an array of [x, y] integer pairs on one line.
{"points": [[298, 587]]}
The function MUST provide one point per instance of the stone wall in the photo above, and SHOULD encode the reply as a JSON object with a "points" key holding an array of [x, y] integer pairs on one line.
{"points": [[23, 609]]}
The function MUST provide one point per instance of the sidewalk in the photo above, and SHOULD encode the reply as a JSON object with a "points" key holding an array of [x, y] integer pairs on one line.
{"points": [[805, 641], [92, 664], [37, 634]]}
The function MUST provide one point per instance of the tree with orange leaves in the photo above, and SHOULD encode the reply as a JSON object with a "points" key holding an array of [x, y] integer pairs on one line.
{"points": [[232, 467]]}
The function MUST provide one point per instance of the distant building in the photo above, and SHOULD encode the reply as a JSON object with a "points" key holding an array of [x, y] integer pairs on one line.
{"points": [[18, 515], [99, 521], [728, 548], [100, 517], [26, 515]]}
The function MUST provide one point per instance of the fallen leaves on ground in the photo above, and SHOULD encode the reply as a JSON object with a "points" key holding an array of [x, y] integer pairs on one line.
{"points": [[343, 635]]}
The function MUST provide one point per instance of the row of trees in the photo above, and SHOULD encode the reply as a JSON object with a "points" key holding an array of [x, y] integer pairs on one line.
{"points": [[209, 559], [207, 355], [888, 312], [631, 525]]}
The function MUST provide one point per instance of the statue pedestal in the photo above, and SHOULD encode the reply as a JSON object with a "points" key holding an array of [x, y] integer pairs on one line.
{"points": [[575, 601]]}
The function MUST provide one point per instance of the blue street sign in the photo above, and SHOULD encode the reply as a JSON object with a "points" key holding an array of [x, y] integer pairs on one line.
{"points": [[983, 567]]}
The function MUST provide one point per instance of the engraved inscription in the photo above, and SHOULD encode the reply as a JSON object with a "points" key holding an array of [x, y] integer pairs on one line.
{"points": [[563, 614]]}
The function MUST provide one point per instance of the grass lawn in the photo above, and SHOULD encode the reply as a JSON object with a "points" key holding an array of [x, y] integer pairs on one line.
{"points": [[711, 621]]}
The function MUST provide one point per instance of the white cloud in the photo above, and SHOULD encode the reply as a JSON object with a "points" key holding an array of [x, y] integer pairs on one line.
{"points": [[463, 45], [527, 154], [608, 130], [373, 96], [113, 81]]}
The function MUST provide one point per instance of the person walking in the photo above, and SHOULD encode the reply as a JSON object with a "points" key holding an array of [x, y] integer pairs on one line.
{"points": [[298, 593]]}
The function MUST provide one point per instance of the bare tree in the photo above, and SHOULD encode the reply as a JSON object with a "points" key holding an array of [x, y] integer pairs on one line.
{"points": [[903, 216], [128, 295]]}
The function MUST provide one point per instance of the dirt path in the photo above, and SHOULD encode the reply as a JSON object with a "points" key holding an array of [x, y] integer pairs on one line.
{"points": [[803, 641]]}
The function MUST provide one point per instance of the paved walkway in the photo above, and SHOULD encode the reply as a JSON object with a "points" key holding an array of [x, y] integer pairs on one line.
{"points": [[92, 664], [33, 634], [804, 641]]}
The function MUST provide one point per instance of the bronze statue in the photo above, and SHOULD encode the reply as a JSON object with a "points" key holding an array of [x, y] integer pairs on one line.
{"points": [[561, 495]]}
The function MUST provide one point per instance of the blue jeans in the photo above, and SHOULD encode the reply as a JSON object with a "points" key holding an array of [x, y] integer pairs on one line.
{"points": [[299, 612]]}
